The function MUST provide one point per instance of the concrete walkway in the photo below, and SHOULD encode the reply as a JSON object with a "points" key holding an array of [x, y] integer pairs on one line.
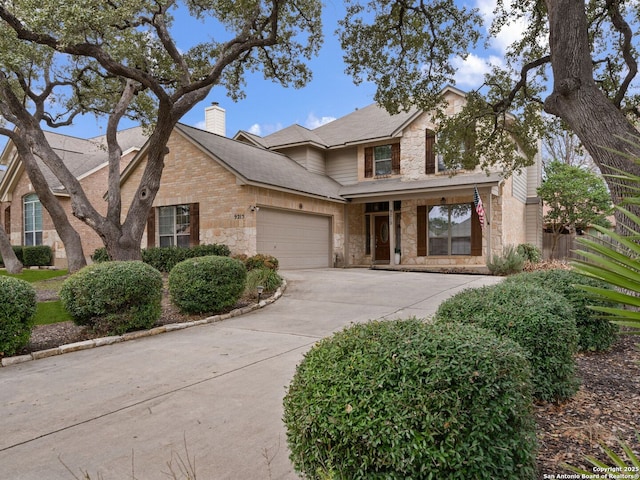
{"points": [[126, 410]]}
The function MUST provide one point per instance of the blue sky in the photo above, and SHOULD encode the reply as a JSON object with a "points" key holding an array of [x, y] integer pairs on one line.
{"points": [[331, 94]]}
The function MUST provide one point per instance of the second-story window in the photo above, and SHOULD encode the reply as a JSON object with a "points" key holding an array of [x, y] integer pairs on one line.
{"points": [[382, 160]]}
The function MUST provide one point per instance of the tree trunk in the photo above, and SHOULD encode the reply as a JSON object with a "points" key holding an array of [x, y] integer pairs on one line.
{"points": [[593, 117], [11, 262], [69, 236]]}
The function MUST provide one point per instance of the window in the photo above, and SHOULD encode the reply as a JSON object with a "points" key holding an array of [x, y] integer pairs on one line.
{"points": [[32, 220], [174, 226], [434, 162], [382, 160], [448, 230]]}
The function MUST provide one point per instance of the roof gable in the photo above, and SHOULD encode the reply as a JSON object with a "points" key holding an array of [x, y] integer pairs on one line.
{"points": [[255, 165]]}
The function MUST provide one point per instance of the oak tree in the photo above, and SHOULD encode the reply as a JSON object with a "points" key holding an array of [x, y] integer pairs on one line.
{"points": [[122, 59], [576, 60]]}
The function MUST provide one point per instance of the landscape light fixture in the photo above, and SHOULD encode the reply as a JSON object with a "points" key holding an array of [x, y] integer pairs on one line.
{"points": [[260, 289]]}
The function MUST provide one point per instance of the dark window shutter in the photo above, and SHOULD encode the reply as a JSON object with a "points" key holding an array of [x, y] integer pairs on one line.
{"points": [[395, 159], [430, 152], [7, 220], [422, 231], [151, 228], [368, 162], [476, 234], [194, 220]]}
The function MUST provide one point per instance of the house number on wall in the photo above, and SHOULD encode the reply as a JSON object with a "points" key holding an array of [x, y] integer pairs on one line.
{"points": [[239, 216]]}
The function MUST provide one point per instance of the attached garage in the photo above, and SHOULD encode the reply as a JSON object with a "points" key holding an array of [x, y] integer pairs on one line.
{"points": [[297, 240]]}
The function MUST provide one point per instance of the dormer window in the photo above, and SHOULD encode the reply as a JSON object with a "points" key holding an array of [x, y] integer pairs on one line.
{"points": [[382, 160]]}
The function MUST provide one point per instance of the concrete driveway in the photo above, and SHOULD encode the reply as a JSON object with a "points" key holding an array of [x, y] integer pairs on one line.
{"points": [[127, 410]]}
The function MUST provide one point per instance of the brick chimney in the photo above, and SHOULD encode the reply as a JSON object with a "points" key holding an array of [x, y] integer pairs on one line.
{"points": [[214, 119]]}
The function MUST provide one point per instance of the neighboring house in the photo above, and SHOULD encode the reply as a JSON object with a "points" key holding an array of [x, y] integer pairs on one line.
{"points": [[349, 193], [21, 213]]}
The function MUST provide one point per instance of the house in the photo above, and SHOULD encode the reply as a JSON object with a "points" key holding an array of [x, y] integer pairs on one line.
{"points": [[21, 213], [349, 193]]}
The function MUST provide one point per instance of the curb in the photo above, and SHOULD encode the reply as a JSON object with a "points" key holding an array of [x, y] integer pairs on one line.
{"points": [[99, 342]]}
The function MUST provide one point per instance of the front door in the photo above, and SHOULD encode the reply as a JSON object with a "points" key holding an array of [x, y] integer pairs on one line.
{"points": [[382, 252]]}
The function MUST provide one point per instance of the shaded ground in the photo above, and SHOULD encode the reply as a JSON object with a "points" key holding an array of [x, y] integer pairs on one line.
{"points": [[604, 410]]}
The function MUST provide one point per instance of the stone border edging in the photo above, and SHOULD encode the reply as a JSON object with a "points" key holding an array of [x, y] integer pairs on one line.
{"points": [[99, 342]]}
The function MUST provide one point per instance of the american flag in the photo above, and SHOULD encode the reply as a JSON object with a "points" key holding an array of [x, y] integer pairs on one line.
{"points": [[479, 207]]}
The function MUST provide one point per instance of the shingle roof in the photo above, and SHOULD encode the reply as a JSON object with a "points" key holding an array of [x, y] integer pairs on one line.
{"points": [[366, 124], [396, 185], [258, 165], [81, 156]]}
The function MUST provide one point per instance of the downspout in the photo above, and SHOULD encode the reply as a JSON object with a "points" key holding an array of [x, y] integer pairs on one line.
{"points": [[345, 236]]}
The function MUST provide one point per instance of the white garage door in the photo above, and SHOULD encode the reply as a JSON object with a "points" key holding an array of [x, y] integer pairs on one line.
{"points": [[297, 240]]}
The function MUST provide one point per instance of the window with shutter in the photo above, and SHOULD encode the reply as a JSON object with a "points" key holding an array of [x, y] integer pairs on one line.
{"points": [[430, 152], [448, 230]]}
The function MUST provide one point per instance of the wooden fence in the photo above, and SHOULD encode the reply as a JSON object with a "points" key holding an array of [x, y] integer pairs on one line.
{"points": [[565, 248]]}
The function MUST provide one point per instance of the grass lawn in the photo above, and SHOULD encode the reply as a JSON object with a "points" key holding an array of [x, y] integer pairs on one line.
{"points": [[51, 312], [47, 312]]}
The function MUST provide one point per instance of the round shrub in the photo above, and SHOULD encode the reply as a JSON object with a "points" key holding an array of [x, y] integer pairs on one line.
{"points": [[207, 284], [403, 399], [540, 320], [595, 333], [114, 297], [17, 309]]}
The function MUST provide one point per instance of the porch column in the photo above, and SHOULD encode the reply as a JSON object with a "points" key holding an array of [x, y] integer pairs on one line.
{"points": [[392, 235]]}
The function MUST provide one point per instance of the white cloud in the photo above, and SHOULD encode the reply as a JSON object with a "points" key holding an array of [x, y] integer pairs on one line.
{"points": [[315, 122], [202, 125], [471, 71], [509, 33], [264, 129], [255, 129]]}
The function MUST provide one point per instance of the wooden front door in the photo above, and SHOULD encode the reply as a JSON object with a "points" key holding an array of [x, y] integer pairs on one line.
{"points": [[382, 252]]}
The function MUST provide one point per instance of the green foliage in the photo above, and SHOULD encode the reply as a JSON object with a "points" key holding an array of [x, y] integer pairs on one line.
{"points": [[17, 308], [619, 467], [114, 297], [266, 277], [595, 333], [575, 198], [37, 256], [529, 252], [540, 320], [207, 284], [32, 276], [404, 399], [33, 256], [509, 263], [164, 259]]}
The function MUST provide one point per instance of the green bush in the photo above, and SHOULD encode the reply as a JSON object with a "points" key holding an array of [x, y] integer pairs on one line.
{"points": [[17, 310], [595, 333], [509, 263], [540, 320], [37, 256], [114, 297], [403, 399], [164, 259], [261, 261], [529, 252], [207, 284], [266, 277]]}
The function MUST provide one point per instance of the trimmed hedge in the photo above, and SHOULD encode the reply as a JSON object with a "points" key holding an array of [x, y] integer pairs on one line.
{"points": [[402, 399], [17, 310], [595, 333], [114, 297], [32, 256], [540, 320], [207, 284], [164, 259]]}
